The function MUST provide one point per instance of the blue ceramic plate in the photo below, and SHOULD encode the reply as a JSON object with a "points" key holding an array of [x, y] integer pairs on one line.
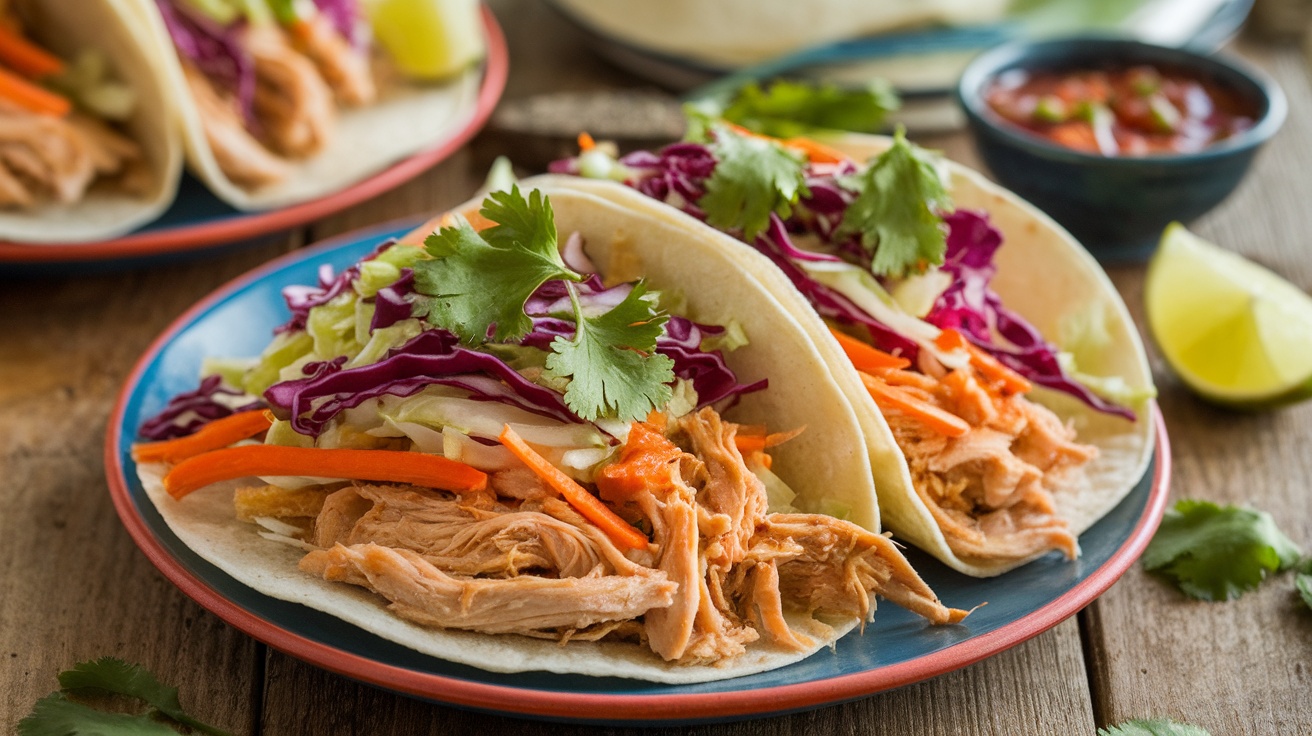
{"points": [[897, 649]]}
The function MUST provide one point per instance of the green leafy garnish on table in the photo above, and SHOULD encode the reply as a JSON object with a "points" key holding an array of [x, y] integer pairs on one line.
{"points": [[1303, 581], [787, 109], [898, 211], [1216, 553], [477, 280], [1153, 727], [611, 362], [57, 715], [752, 178]]}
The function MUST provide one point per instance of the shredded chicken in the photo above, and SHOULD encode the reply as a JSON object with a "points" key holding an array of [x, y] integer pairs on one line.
{"points": [[719, 575], [989, 490], [345, 69], [49, 158], [292, 102], [241, 157]]}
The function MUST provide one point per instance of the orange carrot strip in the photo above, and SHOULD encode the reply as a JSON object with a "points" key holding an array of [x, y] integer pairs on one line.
{"points": [[27, 58], [384, 466], [754, 439], [446, 219], [218, 433], [889, 397], [816, 151], [586, 143], [31, 97], [867, 358], [592, 509], [988, 366]]}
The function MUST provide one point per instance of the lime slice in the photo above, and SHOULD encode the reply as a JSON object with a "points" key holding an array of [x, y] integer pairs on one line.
{"points": [[1236, 333], [428, 39]]}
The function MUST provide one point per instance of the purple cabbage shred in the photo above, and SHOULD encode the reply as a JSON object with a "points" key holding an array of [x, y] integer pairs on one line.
{"points": [[191, 410]]}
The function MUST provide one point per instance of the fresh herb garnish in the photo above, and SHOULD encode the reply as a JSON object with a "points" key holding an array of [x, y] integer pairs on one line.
{"points": [[1303, 581], [477, 280], [56, 715], [1217, 553], [611, 362], [788, 109], [752, 178], [898, 210], [1153, 727]]}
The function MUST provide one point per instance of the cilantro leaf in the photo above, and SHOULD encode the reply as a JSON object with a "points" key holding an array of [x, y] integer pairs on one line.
{"points": [[1218, 553], [789, 109], [897, 210], [478, 280], [611, 362], [1153, 727], [56, 715], [1303, 581], [752, 178]]}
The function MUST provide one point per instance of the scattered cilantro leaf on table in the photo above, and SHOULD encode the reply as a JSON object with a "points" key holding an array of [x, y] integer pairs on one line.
{"points": [[56, 715], [1303, 581], [752, 178], [1153, 727], [897, 211], [457, 292], [611, 362], [788, 109], [1217, 553]]}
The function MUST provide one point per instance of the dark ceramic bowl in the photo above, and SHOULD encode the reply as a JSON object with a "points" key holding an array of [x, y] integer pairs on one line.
{"points": [[1116, 206]]}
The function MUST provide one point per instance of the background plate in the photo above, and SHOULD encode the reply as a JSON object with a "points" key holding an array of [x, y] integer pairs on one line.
{"points": [[198, 220], [897, 649]]}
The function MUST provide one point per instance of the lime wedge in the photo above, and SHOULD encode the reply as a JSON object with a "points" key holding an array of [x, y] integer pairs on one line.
{"points": [[1236, 333], [428, 39]]}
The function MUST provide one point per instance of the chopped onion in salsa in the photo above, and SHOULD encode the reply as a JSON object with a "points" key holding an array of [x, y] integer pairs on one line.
{"points": [[1133, 111]]}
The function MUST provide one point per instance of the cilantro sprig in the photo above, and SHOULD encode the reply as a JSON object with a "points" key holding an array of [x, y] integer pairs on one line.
{"points": [[476, 286], [1217, 553], [787, 108], [478, 282], [611, 362], [752, 178], [897, 213], [1153, 727], [57, 715]]}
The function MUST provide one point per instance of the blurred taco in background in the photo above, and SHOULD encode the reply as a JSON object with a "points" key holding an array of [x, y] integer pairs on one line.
{"points": [[1002, 388], [560, 431], [283, 101], [87, 149]]}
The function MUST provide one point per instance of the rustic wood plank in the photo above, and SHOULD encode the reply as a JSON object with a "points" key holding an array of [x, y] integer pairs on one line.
{"points": [[1239, 667], [75, 586]]}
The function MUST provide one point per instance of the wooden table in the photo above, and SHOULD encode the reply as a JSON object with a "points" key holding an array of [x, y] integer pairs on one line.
{"points": [[74, 587]]}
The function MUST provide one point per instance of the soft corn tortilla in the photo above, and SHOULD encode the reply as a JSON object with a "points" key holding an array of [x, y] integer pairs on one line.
{"points": [[826, 465], [406, 119], [67, 27], [1045, 275]]}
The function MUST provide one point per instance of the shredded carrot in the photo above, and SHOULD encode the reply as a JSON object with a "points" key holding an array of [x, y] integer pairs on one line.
{"points": [[31, 97], [758, 458], [27, 58], [218, 433], [586, 143], [647, 461], [891, 397], [867, 358], [988, 366], [816, 152], [446, 219], [592, 509], [752, 438], [384, 466]]}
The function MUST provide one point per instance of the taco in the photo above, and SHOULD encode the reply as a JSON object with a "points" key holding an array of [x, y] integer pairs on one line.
{"points": [[1004, 444], [283, 102], [88, 150], [514, 447]]}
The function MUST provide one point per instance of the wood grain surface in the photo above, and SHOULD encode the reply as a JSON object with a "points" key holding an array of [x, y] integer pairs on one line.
{"points": [[74, 587]]}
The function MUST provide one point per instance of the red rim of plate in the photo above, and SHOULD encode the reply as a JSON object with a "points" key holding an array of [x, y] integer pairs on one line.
{"points": [[613, 708], [243, 227]]}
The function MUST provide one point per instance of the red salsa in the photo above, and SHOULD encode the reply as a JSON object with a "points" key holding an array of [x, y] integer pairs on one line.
{"points": [[1135, 111]]}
